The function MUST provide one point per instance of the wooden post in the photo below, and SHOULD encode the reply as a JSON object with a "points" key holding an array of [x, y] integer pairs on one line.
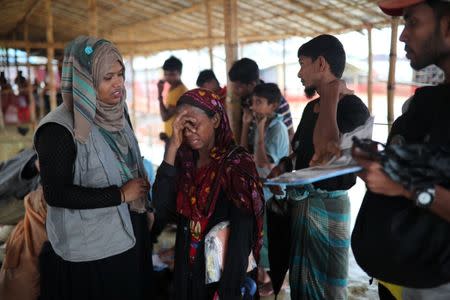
{"points": [[31, 99], [391, 78], [50, 55], [209, 33], [2, 121], [133, 93], [370, 71], [93, 21], [284, 68], [16, 63], [231, 51], [7, 73], [41, 103], [147, 91], [4, 60]]}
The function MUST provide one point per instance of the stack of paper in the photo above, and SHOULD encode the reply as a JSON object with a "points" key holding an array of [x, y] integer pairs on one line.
{"points": [[335, 167]]}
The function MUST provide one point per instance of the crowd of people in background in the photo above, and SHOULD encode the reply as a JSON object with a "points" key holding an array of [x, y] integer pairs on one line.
{"points": [[17, 98], [88, 228]]}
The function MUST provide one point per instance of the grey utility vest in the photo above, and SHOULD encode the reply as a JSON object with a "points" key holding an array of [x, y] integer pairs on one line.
{"points": [[90, 234]]}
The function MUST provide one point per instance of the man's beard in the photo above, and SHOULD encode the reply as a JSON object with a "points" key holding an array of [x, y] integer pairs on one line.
{"points": [[310, 92], [430, 52]]}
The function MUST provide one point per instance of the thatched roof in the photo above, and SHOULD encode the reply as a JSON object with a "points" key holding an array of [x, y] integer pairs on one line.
{"points": [[144, 26]]}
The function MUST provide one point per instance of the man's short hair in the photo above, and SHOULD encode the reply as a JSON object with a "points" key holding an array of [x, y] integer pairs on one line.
{"points": [[205, 76], [172, 64], [244, 70], [269, 91], [330, 48]]}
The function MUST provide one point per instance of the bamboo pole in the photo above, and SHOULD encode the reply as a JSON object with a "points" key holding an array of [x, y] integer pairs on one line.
{"points": [[93, 21], [231, 51], [15, 60], [4, 67], [33, 45], [4, 59], [284, 68], [370, 71], [209, 33], [16, 63], [391, 78], [31, 99], [133, 93], [2, 121], [41, 103], [147, 91], [7, 73], [50, 55]]}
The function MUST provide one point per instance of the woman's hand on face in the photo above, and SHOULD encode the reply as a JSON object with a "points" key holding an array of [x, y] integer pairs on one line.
{"points": [[135, 189], [177, 130], [182, 122]]}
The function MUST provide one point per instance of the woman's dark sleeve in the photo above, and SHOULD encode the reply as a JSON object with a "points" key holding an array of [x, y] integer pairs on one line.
{"points": [[164, 195], [29, 170], [239, 246], [57, 152]]}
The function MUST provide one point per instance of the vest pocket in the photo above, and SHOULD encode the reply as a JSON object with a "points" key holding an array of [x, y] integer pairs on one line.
{"points": [[95, 177], [101, 225]]}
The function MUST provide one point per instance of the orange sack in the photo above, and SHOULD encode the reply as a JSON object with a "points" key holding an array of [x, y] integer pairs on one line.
{"points": [[19, 275]]}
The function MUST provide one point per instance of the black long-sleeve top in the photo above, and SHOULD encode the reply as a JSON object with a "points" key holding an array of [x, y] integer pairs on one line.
{"points": [[57, 153], [190, 279]]}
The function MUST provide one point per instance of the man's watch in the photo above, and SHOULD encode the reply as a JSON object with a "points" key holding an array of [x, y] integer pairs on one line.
{"points": [[424, 197]]}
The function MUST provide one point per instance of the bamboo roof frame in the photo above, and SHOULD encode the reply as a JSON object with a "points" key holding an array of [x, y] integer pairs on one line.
{"points": [[142, 27]]}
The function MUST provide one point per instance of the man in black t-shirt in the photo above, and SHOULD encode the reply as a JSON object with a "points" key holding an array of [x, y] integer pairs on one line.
{"points": [[320, 213], [402, 236]]}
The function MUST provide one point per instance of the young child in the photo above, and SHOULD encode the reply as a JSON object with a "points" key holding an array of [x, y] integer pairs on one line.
{"points": [[271, 143]]}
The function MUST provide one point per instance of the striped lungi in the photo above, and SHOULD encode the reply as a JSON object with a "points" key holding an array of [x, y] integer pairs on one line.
{"points": [[320, 240]]}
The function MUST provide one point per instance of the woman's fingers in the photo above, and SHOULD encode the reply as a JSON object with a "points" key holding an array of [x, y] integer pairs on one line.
{"points": [[178, 122], [190, 124], [183, 121]]}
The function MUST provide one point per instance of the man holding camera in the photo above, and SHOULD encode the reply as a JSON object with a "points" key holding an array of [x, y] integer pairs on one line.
{"points": [[402, 236]]}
